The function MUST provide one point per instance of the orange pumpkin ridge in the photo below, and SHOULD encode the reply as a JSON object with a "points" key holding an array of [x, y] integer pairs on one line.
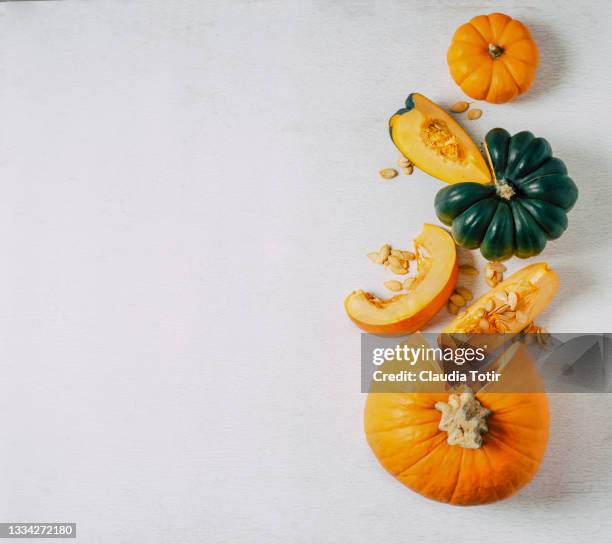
{"points": [[493, 58]]}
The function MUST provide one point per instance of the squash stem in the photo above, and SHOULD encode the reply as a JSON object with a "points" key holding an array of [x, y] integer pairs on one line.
{"points": [[464, 419], [495, 51], [505, 190]]}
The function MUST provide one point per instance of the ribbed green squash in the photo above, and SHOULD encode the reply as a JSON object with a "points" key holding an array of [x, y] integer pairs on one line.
{"points": [[525, 206]]}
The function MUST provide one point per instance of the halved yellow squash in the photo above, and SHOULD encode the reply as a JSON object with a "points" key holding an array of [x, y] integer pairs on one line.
{"points": [[435, 281], [432, 140], [506, 309]]}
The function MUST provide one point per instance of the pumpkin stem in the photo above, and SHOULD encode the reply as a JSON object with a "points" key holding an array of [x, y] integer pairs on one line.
{"points": [[464, 419], [505, 190], [495, 51]]}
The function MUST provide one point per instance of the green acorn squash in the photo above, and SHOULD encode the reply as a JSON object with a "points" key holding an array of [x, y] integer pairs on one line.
{"points": [[524, 207]]}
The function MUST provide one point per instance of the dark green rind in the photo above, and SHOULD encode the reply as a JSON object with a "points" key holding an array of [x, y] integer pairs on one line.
{"points": [[551, 166], [551, 218], [455, 199], [557, 189], [538, 153], [498, 242], [518, 145], [496, 142], [470, 227], [529, 237], [409, 105]]}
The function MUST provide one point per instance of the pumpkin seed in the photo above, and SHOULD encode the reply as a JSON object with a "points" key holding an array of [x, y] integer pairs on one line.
{"points": [[474, 114], [398, 270], [498, 267], [489, 272], [397, 253], [408, 255], [468, 270], [375, 257], [457, 300], [483, 325], [403, 162], [491, 282], [459, 107], [394, 261], [393, 285], [388, 173], [384, 252], [408, 170], [465, 293], [452, 308], [512, 300], [490, 305]]}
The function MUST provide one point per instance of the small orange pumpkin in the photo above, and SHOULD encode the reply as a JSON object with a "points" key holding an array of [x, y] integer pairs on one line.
{"points": [[493, 58], [492, 448]]}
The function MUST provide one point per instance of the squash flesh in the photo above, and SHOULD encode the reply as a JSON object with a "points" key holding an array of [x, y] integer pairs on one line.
{"points": [[431, 139]]}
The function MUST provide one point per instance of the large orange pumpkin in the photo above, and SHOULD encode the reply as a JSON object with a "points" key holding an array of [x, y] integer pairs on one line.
{"points": [[482, 459], [493, 58]]}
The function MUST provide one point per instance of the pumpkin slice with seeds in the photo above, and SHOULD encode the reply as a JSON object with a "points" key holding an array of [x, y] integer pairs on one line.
{"points": [[434, 142], [508, 308], [428, 291]]}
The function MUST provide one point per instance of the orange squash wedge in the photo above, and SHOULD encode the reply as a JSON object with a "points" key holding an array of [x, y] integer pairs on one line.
{"points": [[432, 140], [435, 281]]}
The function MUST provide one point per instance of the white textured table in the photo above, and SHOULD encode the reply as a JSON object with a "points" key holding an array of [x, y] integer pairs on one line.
{"points": [[188, 192]]}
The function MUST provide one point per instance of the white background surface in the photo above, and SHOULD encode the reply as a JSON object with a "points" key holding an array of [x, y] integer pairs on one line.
{"points": [[189, 190]]}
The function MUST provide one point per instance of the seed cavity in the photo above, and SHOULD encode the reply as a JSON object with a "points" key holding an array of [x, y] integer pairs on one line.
{"points": [[436, 135]]}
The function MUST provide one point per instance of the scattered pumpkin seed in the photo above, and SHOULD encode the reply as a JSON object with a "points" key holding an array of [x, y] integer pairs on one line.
{"points": [[474, 114], [374, 256], [498, 267], [491, 282], [393, 285], [384, 252], [465, 293], [452, 308], [388, 173], [459, 107], [403, 162], [468, 270], [398, 270], [457, 300], [408, 170], [394, 261]]}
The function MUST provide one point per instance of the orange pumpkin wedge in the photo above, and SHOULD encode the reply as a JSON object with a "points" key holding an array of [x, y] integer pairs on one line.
{"points": [[506, 310], [432, 140], [534, 286], [434, 283]]}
